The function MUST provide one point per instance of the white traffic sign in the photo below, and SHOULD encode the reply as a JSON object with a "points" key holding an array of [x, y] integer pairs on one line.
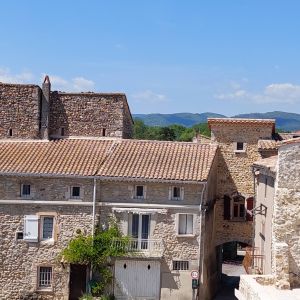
{"points": [[195, 274]]}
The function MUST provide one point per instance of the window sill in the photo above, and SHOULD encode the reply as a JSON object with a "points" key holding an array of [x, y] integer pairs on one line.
{"points": [[75, 199], [239, 151], [47, 242], [238, 220], [176, 199], [45, 290], [185, 235]]}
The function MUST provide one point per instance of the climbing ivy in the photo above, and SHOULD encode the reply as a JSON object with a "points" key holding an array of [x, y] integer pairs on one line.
{"points": [[97, 252]]}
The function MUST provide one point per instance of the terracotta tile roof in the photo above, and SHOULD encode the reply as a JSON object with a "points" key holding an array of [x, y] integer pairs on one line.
{"points": [[61, 157], [109, 158], [241, 121], [267, 145], [288, 135], [290, 141], [267, 163], [160, 160]]}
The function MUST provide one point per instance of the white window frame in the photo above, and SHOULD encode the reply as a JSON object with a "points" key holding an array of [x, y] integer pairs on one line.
{"points": [[26, 196], [42, 228], [178, 225], [50, 287], [135, 192], [171, 193], [236, 149], [71, 192]]}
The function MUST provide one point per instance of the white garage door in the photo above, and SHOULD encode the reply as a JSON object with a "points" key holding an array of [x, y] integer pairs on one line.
{"points": [[137, 280]]}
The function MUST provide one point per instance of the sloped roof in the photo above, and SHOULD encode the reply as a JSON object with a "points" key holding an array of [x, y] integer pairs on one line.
{"points": [[108, 158], [60, 157], [159, 160], [267, 145], [267, 163]]}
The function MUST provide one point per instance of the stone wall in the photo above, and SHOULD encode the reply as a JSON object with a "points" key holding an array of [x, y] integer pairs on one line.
{"points": [[286, 218], [89, 114], [235, 174], [45, 188], [19, 111], [19, 259]]}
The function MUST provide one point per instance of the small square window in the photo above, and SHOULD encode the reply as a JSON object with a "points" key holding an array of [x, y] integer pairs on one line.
{"points": [[45, 277], [240, 147], [47, 228], [139, 191], [75, 192], [19, 235], [25, 190]]}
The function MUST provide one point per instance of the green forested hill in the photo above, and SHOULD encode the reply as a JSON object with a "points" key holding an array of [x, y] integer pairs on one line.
{"points": [[284, 120]]}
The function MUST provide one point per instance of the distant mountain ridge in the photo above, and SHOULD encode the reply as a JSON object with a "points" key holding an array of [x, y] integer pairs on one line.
{"points": [[284, 120]]}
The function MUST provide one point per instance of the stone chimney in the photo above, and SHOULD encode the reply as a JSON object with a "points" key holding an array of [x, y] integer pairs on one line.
{"points": [[46, 88], [197, 138]]}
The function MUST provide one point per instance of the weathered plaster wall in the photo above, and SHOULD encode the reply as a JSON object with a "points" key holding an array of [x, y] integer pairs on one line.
{"points": [[19, 110], [286, 219]]}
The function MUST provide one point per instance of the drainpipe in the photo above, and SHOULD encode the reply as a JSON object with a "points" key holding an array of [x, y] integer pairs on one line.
{"points": [[93, 227], [200, 237], [253, 218], [94, 207]]}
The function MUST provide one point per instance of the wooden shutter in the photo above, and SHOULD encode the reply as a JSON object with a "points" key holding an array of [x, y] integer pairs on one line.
{"points": [[227, 201], [249, 216], [189, 222], [31, 228], [170, 192], [182, 193]]}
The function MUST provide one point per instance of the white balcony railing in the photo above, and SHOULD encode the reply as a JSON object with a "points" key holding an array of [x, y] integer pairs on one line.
{"points": [[141, 247]]}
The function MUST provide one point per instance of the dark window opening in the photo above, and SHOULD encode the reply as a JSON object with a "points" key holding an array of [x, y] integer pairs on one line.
{"points": [[140, 191], [176, 192], [103, 132], [19, 235], [239, 146], [26, 190], [75, 191], [10, 132], [62, 131]]}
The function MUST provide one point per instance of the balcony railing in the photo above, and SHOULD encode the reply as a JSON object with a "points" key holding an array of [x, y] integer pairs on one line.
{"points": [[141, 247]]}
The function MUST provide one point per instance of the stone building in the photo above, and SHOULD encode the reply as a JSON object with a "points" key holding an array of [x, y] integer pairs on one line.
{"points": [[27, 111], [277, 235]]}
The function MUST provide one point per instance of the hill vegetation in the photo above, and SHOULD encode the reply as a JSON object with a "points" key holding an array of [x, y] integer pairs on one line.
{"points": [[284, 121]]}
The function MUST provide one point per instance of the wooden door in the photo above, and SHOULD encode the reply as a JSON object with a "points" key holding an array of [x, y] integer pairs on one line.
{"points": [[78, 277]]}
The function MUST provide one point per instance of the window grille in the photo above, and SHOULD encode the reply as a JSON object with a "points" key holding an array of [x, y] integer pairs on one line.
{"points": [[139, 191], [45, 277], [25, 190], [180, 265]]}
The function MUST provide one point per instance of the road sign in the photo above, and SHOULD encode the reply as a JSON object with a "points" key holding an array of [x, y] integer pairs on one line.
{"points": [[195, 274]]}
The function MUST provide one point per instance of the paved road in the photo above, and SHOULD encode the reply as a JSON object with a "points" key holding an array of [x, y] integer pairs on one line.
{"points": [[230, 281]]}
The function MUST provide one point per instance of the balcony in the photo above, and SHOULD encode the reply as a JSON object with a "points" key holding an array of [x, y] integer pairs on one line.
{"points": [[142, 247]]}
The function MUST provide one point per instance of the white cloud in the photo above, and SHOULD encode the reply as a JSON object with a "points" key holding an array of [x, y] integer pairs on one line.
{"points": [[274, 93], [149, 96], [76, 84], [7, 76], [82, 84]]}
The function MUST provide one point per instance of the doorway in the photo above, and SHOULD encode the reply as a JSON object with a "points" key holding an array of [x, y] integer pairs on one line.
{"points": [[78, 281]]}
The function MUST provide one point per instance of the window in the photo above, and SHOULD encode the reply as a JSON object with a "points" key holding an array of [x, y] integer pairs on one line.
{"points": [[19, 235], [238, 210], [103, 131], [176, 193], [62, 131], [10, 132], [47, 228], [266, 186], [139, 229], [75, 192], [45, 277], [185, 224], [239, 147], [25, 190], [180, 265], [139, 192]]}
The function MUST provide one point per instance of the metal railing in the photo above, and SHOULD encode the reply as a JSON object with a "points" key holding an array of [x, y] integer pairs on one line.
{"points": [[144, 247], [253, 262]]}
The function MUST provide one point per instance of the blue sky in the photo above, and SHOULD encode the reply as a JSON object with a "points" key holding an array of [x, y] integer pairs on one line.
{"points": [[227, 57]]}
